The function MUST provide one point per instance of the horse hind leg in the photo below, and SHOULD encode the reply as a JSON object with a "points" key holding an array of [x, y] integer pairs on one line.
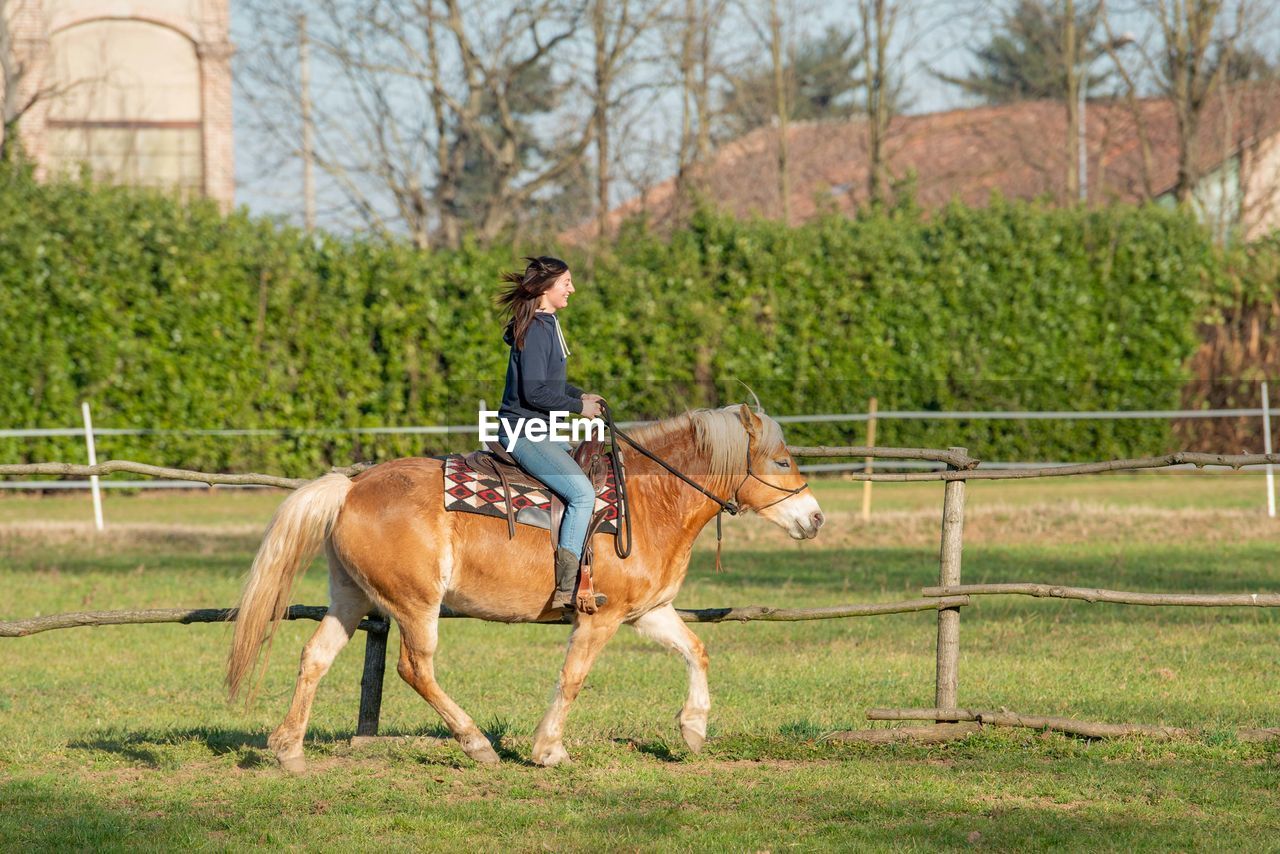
{"points": [[348, 604], [665, 626], [419, 637]]}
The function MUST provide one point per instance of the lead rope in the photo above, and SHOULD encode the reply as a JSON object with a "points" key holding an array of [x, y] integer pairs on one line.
{"points": [[719, 540]]}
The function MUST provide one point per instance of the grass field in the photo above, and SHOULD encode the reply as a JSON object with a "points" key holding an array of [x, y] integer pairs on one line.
{"points": [[119, 737]]}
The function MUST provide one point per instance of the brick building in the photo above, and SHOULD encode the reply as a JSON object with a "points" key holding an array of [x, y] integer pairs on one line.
{"points": [[138, 90]]}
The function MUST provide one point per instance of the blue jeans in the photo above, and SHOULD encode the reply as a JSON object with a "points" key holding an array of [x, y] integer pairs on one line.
{"points": [[550, 462]]}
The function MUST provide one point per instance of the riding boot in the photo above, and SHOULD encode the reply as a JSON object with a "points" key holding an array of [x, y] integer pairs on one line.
{"points": [[566, 579], [566, 576]]}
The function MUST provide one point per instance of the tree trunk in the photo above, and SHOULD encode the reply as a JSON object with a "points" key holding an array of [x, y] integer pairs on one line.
{"points": [[780, 104], [1070, 63], [877, 29], [603, 84]]}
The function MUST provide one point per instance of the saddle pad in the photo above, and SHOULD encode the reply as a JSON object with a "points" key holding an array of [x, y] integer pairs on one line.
{"points": [[466, 490]]}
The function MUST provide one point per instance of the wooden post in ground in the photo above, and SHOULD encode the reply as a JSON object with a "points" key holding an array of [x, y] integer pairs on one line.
{"points": [[949, 571], [871, 442], [375, 666]]}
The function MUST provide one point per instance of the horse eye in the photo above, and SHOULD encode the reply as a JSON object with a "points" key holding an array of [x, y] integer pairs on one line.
{"points": [[786, 464]]}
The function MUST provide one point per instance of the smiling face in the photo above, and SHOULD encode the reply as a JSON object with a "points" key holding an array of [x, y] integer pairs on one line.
{"points": [[556, 297]]}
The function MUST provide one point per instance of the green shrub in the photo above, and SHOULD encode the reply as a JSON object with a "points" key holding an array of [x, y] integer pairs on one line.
{"points": [[167, 316]]}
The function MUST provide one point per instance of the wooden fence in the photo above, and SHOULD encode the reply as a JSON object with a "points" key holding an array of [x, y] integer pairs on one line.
{"points": [[947, 598]]}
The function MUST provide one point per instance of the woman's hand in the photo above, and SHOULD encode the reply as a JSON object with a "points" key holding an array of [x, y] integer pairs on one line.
{"points": [[591, 405]]}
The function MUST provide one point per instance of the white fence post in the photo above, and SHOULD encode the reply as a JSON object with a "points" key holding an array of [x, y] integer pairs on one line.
{"points": [[1266, 442], [93, 461]]}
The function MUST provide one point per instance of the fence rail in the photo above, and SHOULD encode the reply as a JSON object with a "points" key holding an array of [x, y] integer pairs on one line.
{"points": [[740, 614], [1115, 597], [960, 467]]}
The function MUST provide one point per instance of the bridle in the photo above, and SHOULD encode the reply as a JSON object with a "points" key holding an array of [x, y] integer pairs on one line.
{"points": [[733, 506]]}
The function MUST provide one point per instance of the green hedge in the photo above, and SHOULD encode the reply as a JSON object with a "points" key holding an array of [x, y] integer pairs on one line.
{"points": [[167, 316]]}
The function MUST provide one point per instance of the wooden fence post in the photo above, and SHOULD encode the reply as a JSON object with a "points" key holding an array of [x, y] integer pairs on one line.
{"points": [[375, 666], [949, 574]]}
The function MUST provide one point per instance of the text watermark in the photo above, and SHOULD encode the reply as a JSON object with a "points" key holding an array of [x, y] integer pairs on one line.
{"points": [[560, 426]]}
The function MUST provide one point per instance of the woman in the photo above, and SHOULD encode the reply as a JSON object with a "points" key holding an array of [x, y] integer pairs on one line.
{"points": [[536, 386]]}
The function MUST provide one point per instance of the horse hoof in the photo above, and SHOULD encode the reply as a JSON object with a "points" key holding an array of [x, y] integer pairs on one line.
{"points": [[482, 752], [551, 757], [292, 764], [692, 738]]}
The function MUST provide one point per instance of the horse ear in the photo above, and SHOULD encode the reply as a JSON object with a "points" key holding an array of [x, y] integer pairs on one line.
{"points": [[749, 420]]}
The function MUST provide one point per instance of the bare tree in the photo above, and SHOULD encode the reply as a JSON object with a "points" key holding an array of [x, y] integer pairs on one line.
{"points": [[616, 29], [781, 71], [698, 65], [1186, 55], [878, 19], [20, 92], [1075, 86], [426, 121], [1131, 97], [762, 95]]}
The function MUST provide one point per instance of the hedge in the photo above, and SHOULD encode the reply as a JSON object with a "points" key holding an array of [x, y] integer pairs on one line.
{"points": [[168, 315]]}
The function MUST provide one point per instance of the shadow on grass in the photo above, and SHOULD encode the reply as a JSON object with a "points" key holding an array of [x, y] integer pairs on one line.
{"points": [[153, 748], [656, 748], [150, 747], [140, 744]]}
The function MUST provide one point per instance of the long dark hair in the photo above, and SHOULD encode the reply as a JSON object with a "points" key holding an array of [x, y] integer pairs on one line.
{"points": [[521, 299]]}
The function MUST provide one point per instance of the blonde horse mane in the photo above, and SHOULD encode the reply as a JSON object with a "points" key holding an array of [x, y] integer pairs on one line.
{"points": [[719, 436]]}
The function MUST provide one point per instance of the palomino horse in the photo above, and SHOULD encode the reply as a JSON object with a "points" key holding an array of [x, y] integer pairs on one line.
{"points": [[392, 547]]}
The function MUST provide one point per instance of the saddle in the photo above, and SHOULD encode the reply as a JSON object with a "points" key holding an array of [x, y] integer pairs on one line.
{"points": [[496, 463]]}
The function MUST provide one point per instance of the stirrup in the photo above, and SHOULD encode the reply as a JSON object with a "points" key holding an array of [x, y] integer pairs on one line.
{"points": [[580, 603]]}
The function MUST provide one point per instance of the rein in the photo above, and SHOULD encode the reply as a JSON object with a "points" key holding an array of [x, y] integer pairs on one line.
{"points": [[733, 507]]}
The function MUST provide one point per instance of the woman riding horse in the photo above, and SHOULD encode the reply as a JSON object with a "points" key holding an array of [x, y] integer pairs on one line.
{"points": [[393, 548], [536, 386]]}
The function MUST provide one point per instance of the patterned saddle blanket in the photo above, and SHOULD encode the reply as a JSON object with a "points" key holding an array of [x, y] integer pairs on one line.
{"points": [[468, 491]]}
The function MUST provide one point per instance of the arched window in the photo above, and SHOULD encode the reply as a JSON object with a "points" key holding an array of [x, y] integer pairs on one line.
{"points": [[128, 104]]}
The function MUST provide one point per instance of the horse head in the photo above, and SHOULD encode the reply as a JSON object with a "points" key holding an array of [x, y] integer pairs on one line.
{"points": [[771, 482]]}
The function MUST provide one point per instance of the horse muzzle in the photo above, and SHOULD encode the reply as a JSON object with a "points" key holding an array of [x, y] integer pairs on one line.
{"points": [[803, 519]]}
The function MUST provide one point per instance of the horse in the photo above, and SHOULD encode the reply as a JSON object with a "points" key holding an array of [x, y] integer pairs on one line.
{"points": [[392, 548]]}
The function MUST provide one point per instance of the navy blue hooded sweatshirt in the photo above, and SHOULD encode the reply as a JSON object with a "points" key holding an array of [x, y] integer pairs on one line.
{"points": [[536, 375]]}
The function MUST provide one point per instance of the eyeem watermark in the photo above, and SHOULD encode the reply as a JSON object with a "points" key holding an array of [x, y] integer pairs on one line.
{"points": [[561, 426]]}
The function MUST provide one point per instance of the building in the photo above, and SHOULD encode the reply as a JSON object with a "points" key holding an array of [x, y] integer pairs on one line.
{"points": [[1017, 150], [139, 91]]}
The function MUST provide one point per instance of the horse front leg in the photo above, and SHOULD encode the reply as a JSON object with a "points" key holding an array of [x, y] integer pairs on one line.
{"points": [[665, 626], [588, 638]]}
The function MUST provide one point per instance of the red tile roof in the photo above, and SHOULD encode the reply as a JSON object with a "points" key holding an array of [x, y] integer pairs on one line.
{"points": [[1018, 150]]}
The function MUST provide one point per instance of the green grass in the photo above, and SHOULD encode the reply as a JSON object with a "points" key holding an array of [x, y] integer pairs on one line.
{"points": [[119, 737]]}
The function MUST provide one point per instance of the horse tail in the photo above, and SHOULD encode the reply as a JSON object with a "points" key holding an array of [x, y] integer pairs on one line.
{"points": [[295, 536]]}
